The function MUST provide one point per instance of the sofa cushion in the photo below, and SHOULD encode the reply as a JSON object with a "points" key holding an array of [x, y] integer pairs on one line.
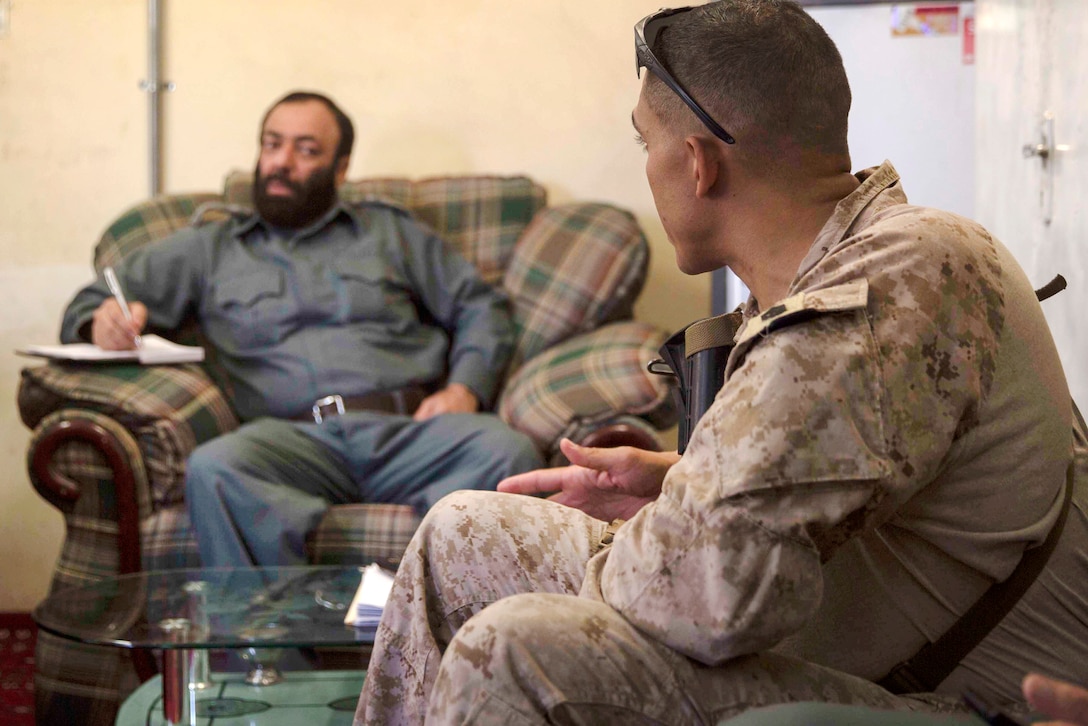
{"points": [[362, 533], [593, 376], [577, 267], [482, 216], [169, 409], [147, 221]]}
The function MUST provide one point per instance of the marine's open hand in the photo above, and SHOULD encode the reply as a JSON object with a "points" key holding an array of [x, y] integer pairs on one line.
{"points": [[607, 484], [1066, 703]]}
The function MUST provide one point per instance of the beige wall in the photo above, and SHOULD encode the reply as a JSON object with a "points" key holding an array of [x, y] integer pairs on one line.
{"points": [[542, 87]]}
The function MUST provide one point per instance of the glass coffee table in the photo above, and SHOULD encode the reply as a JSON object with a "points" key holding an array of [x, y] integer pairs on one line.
{"points": [[186, 613]]}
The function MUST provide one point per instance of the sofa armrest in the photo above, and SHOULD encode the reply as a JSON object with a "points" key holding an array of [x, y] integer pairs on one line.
{"points": [[88, 466], [167, 410], [589, 382]]}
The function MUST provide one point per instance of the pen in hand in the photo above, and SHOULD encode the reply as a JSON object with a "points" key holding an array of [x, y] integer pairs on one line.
{"points": [[117, 292]]}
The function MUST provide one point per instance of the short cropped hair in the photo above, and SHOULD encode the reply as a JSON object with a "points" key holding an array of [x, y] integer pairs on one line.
{"points": [[347, 129], [764, 69]]}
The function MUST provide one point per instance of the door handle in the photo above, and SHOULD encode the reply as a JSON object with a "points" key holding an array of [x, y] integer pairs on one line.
{"points": [[1040, 150], [1045, 150]]}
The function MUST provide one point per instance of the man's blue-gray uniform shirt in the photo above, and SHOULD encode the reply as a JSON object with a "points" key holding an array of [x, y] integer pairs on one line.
{"points": [[365, 299]]}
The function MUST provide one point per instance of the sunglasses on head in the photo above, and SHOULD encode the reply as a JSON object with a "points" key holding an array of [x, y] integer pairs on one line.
{"points": [[646, 32]]}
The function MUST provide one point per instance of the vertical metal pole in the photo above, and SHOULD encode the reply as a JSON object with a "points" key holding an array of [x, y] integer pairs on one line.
{"points": [[153, 87]]}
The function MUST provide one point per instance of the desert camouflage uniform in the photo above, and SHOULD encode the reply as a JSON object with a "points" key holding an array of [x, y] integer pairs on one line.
{"points": [[903, 409]]}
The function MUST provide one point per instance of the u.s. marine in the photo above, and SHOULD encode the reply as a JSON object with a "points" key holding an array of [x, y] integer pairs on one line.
{"points": [[894, 431]]}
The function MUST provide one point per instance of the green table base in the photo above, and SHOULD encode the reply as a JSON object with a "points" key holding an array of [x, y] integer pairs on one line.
{"points": [[313, 698]]}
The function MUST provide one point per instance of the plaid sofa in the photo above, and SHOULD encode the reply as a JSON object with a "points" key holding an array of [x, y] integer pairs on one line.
{"points": [[109, 442]]}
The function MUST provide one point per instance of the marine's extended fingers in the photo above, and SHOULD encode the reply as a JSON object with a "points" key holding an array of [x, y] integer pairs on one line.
{"points": [[598, 459], [1056, 698], [538, 481]]}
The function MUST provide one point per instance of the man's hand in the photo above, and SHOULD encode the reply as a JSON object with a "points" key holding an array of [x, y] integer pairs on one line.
{"points": [[111, 331], [604, 483], [454, 398], [1063, 701]]}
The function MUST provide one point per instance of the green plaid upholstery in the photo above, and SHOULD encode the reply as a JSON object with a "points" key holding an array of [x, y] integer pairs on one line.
{"points": [[167, 541], [585, 379], [363, 533], [481, 216], [70, 678], [76, 683], [569, 270], [90, 549], [170, 409], [577, 267], [147, 221]]}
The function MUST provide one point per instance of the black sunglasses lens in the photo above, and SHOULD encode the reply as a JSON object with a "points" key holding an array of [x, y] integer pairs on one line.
{"points": [[652, 29]]}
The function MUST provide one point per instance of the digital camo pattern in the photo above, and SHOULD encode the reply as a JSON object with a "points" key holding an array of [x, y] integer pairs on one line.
{"points": [[841, 411], [832, 417], [469, 552], [545, 653], [557, 659]]}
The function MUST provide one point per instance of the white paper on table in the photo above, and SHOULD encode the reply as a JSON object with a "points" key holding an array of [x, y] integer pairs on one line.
{"points": [[370, 598]]}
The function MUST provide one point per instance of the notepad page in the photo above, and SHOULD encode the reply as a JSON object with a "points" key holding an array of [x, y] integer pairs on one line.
{"points": [[160, 350]]}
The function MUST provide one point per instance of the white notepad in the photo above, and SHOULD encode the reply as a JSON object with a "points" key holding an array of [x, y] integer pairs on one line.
{"points": [[155, 350], [366, 607]]}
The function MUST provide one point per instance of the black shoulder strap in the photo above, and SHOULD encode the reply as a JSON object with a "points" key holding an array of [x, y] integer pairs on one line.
{"points": [[932, 664]]}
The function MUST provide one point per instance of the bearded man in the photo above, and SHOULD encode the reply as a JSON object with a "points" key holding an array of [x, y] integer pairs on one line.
{"points": [[360, 349]]}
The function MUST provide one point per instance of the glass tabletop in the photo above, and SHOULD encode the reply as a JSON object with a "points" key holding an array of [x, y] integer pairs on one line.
{"points": [[210, 608]]}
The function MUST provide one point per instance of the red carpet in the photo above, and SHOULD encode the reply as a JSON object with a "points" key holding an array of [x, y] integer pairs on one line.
{"points": [[17, 635]]}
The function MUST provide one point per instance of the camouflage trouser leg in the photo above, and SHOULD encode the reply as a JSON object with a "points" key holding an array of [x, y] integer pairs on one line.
{"points": [[472, 549], [534, 659]]}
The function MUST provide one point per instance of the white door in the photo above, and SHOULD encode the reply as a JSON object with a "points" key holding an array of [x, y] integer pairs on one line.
{"points": [[1032, 154]]}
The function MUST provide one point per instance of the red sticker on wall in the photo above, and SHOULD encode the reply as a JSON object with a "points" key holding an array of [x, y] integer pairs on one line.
{"points": [[969, 40]]}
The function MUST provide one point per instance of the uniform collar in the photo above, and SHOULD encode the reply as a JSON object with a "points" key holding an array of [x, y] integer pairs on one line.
{"points": [[875, 181]]}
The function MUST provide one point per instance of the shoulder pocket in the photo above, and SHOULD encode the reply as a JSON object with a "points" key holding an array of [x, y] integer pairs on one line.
{"points": [[797, 309], [805, 305]]}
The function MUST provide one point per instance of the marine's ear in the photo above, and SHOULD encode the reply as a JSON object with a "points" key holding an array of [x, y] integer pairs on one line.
{"points": [[706, 164]]}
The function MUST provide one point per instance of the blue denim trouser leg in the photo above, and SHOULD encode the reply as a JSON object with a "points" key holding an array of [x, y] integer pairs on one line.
{"points": [[253, 494]]}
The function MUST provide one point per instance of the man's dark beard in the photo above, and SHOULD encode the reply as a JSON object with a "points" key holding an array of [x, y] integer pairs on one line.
{"points": [[311, 199]]}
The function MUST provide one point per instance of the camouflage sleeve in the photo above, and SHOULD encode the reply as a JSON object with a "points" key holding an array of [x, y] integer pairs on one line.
{"points": [[789, 461]]}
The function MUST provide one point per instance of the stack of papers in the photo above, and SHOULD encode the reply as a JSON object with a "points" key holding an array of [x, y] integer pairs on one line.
{"points": [[155, 350], [366, 607]]}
